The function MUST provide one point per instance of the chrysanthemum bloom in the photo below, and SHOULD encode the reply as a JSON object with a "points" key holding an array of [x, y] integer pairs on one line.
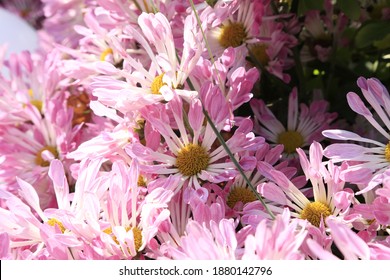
{"points": [[329, 195], [159, 75], [321, 32], [219, 242], [96, 45], [35, 233], [33, 78], [276, 240], [190, 155], [105, 212], [238, 26], [304, 125], [365, 165], [27, 150]]}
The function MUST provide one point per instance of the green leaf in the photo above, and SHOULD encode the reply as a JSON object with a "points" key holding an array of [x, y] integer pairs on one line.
{"points": [[383, 44], [371, 32], [350, 7]]}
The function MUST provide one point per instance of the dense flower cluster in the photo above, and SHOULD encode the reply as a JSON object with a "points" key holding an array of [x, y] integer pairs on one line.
{"points": [[191, 130]]}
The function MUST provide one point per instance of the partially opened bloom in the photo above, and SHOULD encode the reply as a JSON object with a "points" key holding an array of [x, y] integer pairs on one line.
{"points": [[276, 240], [217, 241], [365, 164], [154, 78]]}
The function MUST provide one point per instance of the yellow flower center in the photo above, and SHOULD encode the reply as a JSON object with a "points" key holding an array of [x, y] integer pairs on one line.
{"points": [[53, 221], [35, 102], [157, 84], [40, 161], [291, 140], [387, 152], [232, 35], [259, 52], [242, 194], [314, 211], [137, 233], [105, 53], [192, 159], [141, 182]]}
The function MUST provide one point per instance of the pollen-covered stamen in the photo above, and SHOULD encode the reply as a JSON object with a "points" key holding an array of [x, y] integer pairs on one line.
{"points": [[137, 233], [259, 51], [232, 35], [53, 221], [35, 102], [192, 159], [314, 211], [141, 182], [387, 152], [242, 194], [42, 162], [105, 53], [157, 84], [291, 140]]}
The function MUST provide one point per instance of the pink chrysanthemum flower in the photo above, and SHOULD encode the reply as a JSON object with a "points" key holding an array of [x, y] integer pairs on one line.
{"points": [[280, 239], [304, 125], [365, 165], [33, 79], [27, 150], [95, 45], [219, 242], [238, 25], [191, 155], [35, 233], [329, 196], [138, 85]]}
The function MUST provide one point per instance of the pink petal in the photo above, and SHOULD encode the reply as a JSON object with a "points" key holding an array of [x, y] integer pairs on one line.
{"points": [[273, 193], [350, 244], [357, 105]]}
